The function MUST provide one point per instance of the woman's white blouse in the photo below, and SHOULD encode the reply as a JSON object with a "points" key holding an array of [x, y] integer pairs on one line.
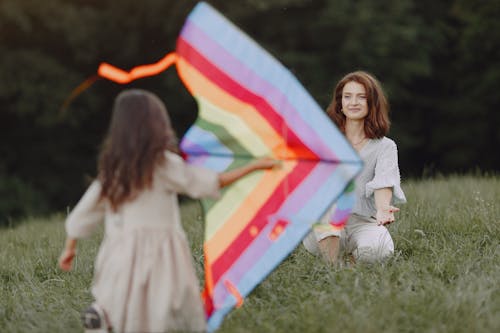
{"points": [[380, 157]]}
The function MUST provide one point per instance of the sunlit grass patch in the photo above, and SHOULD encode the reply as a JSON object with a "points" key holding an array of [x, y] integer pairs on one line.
{"points": [[442, 278]]}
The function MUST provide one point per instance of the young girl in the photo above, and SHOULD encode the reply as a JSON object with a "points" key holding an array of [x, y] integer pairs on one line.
{"points": [[144, 276], [359, 108]]}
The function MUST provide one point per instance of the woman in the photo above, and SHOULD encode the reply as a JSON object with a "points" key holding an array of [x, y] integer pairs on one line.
{"points": [[360, 110]]}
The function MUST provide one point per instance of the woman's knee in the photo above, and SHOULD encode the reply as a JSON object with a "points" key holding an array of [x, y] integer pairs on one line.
{"points": [[311, 244], [374, 244], [372, 254]]}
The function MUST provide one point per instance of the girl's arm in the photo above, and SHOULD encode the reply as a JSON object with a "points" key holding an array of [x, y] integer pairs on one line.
{"points": [[385, 212], [68, 254], [229, 177]]}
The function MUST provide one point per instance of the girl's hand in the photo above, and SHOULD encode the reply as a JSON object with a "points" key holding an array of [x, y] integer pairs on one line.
{"points": [[386, 215], [68, 254], [66, 259], [265, 163], [228, 177]]}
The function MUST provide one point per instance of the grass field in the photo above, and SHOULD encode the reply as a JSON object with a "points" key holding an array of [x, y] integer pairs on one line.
{"points": [[444, 276]]}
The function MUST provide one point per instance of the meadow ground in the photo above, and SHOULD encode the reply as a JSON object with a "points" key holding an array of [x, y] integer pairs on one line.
{"points": [[444, 276]]}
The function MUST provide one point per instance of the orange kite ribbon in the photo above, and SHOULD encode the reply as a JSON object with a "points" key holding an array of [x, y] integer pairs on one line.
{"points": [[118, 75]]}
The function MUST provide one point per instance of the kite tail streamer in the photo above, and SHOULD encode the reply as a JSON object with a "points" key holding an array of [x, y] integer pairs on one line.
{"points": [[118, 75], [121, 76]]}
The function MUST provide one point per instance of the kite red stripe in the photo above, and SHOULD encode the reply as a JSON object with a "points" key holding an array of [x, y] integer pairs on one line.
{"points": [[226, 83]]}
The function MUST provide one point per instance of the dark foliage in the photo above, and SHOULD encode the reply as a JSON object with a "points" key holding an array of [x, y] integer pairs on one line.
{"points": [[438, 61]]}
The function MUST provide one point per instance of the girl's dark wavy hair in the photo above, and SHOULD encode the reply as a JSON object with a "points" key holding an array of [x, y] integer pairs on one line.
{"points": [[377, 122], [139, 133]]}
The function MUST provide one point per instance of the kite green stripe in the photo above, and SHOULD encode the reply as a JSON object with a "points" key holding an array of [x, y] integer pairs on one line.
{"points": [[224, 137], [235, 126]]}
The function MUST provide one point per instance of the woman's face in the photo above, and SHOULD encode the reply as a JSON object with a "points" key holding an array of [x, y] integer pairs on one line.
{"points": [[354, 101]]}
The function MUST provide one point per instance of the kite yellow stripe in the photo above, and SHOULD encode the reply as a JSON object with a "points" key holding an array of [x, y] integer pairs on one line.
{"points": [[233, 125], [227, 205]]}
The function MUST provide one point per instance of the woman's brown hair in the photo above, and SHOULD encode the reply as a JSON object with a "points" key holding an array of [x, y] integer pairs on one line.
{"points": [[377, 122], [139, 133]]}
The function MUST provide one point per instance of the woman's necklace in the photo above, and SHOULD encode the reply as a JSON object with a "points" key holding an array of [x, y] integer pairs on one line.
{"points": [[359, 142]]}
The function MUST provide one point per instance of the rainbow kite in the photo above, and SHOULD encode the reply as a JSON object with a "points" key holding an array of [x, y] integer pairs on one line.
{"points": [[252, 106]]}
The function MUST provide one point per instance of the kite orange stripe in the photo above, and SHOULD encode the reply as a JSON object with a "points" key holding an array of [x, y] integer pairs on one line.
{"points": [[209, 282], [118, 75]]}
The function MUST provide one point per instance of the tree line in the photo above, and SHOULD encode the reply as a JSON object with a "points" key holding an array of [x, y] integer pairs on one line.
{"points": [[437, 60]]}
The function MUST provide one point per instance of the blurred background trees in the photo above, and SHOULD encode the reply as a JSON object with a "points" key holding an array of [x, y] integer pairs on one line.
{"points": [[438, 61]]}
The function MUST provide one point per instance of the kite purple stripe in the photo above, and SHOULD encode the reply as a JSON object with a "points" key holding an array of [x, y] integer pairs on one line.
{"points": [[307, 190], [340, 215], [191, 147], [217, 55], [198, 155]]}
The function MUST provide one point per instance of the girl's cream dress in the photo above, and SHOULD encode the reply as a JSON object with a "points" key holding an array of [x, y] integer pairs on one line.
{"points": [[144, 276]]}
